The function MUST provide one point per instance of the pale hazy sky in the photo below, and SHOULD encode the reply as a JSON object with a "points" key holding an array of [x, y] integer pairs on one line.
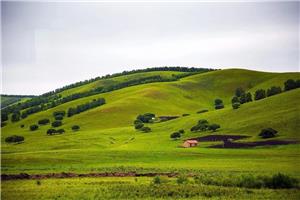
{"points": [[49, 45]]}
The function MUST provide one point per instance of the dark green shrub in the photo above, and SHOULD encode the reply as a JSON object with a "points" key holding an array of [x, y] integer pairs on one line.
{"points": [[175, 135], [202, 111], [219, 104], [260, 94], [201, 126], [61, 112], [22, 125], [248, 97], [281, 181], [139, 126], [236, 105], [60, 131], [58, 117], [15, 117], [14, 139], [137, 121], [75, 128], [146, 129], [249, 181], [33, 127], [43, 121], [56, 123], [273, 91], [268, 133], [51, 131], [235, 99], [290, 84], [213, 127], [146, 118], [183, 115], [181, 131], [3, 124]]}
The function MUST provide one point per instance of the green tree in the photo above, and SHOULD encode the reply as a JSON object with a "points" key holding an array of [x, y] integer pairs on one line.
{"points": [[15, 117], [248, 97], [33, 127], [273, 90], [75, 127], [260, 94], [239, 92], [14, 139], [175, 135], [219, 104], [235, 99], [146, 129], [290, 84], [214, 127], [236, 105], [56, 123]]}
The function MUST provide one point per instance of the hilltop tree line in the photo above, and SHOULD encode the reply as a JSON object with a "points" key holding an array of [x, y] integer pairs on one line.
{"points": [[178, 69], [45, 102]]}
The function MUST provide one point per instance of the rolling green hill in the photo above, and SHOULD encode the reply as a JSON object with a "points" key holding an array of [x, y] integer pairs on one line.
{"points": [[108, 142], [7, 100], [108, 139]]}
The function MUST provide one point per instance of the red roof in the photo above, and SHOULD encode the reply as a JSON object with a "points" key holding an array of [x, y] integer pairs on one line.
{"points": [[192, 141]]}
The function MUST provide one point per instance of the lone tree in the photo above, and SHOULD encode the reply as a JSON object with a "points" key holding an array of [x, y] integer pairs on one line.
{"points": [[260, 94], [214, 127], [75, 128], [219, 104], [43, 121], [33, 127], [56, 123], [268, 133], [14, 139], [175, 135], [236, 105]]}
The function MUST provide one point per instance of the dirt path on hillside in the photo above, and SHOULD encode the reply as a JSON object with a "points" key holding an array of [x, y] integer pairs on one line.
{"points": [[75, 175]]}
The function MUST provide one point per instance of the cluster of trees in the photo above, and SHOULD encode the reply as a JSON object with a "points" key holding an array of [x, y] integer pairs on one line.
{"points": [[219, 104], [291, 84], [203, 125], [83, 107], [14, 139], [141, 119], [178, 69], [240, 97], [177, 134], [268, 133], [52, 131]]}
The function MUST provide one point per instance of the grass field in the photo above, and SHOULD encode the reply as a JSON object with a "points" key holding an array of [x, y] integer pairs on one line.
{"points": [[107, 140]]}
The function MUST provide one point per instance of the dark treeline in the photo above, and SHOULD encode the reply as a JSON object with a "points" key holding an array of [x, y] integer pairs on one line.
{"points": [[51, 99], [83, 107], [178, 69]]}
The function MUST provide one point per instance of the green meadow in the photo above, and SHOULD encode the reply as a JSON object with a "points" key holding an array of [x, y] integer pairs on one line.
{"points": [[108, 142]]}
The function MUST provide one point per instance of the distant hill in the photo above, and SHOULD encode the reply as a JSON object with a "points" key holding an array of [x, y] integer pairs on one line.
{"points": [[7, 100]]}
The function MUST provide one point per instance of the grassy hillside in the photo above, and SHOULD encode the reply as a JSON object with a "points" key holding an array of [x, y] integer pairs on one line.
{"points": [[7, 100], [107, 139]]}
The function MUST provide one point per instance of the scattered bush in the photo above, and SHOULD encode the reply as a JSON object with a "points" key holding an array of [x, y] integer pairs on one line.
{"points": [[236, 105], [260, 94], [60, 131], [14, 139], [137, 121], [56, 123], [61, 113], [146, 118], [268, 133], [219, 104], [183, 115], [38, 182], [33, 127], [43, 121], [15, 117], [239, 92], [248, 97], [51, 131], [139, 126], [202, 111], [281, 181], [235, 99], [181, 131], [175, 135], [75, 127], [146, 129], [273, 90], [58, 117], [214, 127], [22, 125], [201, 126], [290, 84]]}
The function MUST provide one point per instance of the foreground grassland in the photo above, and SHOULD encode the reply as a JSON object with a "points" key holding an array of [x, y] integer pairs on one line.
{"points": [[108, 142], [132, 188]]}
